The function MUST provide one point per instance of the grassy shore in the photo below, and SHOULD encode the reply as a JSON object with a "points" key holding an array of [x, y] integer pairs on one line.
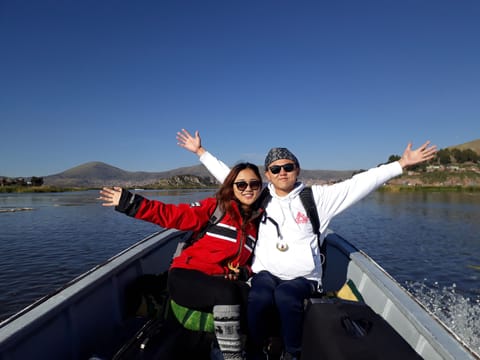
{"points": [[56, 189], [36, 189], [461, 181], [386, 188], [429, 188], [464, 181]]}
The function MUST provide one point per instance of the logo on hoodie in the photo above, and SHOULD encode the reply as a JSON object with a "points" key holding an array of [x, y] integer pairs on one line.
{"points": [[301, 218]]}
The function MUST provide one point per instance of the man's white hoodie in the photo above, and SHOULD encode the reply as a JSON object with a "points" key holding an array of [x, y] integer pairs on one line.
{"points": [[293, 228]]}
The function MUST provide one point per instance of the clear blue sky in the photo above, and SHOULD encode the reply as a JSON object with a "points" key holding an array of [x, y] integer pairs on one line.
{"points": [[342, 84]]}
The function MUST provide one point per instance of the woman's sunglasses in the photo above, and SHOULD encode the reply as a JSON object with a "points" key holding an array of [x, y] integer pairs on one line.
{"points": [[275, 169], [254, 185]]}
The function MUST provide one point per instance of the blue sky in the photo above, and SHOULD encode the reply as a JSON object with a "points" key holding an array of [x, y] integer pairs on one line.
{"points": [[342, 84]]}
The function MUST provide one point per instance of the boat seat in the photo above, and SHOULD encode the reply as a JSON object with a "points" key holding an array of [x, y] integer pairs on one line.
{"points": [[348, 291], [197, 320]]}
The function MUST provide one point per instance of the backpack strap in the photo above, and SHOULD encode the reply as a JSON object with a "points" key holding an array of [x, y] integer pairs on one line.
{"points": [[264, 198], [214, 219], [306, 195]]}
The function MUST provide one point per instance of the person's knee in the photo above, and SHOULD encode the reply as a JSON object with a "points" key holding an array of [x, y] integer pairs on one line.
{"points": [[286, 296], [290, 297], [297, 289], [261, 292]]}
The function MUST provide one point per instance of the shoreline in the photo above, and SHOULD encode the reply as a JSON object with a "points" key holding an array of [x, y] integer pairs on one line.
{"points": [[387, 188], [428, 188], [56, 189]]}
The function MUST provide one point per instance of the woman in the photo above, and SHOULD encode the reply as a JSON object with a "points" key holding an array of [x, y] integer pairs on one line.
{"points": [[205, 275]]}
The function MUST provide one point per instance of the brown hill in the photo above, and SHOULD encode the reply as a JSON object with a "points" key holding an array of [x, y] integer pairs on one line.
{"points": [[473, 145], [98, 174]]}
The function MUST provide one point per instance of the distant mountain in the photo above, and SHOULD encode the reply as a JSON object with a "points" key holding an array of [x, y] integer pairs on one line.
{"points": [[98, 174]]}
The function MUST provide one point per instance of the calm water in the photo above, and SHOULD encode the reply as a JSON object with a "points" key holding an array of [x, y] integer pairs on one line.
{"points": [[430, 242]]}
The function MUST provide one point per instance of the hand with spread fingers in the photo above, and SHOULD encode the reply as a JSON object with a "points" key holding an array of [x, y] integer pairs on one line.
{"points": [[110, 195], [422, 154], [189, 142]]}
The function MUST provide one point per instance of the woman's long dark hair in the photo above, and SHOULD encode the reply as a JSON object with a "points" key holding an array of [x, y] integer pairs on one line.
{"points": [[225, 194]]}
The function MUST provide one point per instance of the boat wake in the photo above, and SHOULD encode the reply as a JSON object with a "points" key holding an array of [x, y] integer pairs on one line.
{"points": [[458, 312]]}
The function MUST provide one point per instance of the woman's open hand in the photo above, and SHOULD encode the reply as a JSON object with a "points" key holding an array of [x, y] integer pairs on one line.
{"points": [[110, 196]]}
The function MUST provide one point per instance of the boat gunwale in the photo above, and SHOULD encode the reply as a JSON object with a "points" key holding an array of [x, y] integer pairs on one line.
{"points": [[57, 300]]}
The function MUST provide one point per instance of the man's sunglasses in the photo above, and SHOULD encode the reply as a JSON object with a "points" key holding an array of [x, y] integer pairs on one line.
{"points": [[254, 185], [275, 169]]}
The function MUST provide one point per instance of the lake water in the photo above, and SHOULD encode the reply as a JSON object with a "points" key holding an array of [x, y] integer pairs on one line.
{"points": [[429, 242]]}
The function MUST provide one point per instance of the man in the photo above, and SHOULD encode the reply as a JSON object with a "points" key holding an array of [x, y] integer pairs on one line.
{"points": [[287, 262]]}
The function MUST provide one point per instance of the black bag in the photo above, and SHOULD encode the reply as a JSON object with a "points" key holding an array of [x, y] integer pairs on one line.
{"points": [[161, 336], [166, 339], [343, 330]]}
